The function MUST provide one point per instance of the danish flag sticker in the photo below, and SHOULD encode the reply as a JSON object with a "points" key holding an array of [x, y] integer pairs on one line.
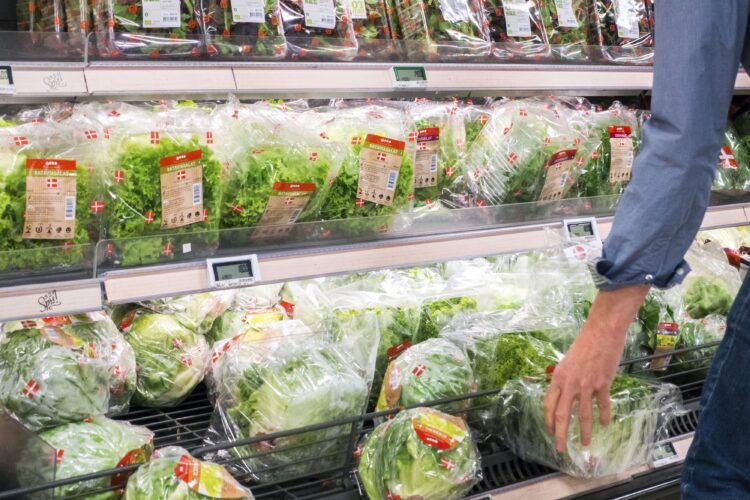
{"points": [[51, 182], [727, 158], [382, 156]]}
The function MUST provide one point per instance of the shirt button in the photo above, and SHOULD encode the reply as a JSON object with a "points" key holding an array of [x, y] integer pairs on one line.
{"points": [[680, 271], [649, 277]]}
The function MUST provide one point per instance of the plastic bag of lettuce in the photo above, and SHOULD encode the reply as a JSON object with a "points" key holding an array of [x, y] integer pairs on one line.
{"points": [[162, 183], [266, 386], [54, 374], [170, 357], [99, 328], [196, 311], [376, 179], [250, 306], [94, 445], [173, 474], [640, 413], [280, 171], [421, 453], [49, 208]]}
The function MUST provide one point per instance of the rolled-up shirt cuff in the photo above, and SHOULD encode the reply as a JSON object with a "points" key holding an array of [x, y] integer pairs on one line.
{"points": [[605, 279]]}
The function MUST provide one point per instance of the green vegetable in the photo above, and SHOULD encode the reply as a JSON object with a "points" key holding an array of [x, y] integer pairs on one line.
{"points": [[706, 296], [169, 356], [49, 377], [638, 421], [40, 16], [436, 313], [431, 370], [121, 26], [166, 477], [77, 16], [196, 311], [372, 29], [396, 325], [692, 366], [273, 385], [87, 447], [508, 45], [308, 42], [135, 205], [613, 43], [404, 458], [227, 38], [733, 171], [567, 42]]}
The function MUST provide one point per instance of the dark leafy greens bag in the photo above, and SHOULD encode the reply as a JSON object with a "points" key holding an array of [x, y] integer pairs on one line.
{"points": [[517, 29], [243, 29], [733, 170], [77, 16], [567, 25], [439, 29], [371, 25], [323, 29], [622, 31], [152, 29], [40, 16]]}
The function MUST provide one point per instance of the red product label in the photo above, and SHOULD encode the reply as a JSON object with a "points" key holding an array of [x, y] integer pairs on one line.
{"points": [[397, 349], [561, 156], [385, 141], [135, 456], [726, 157], [619, 132], [288, 307], [44, 164], [428, 134], [294, 186], [433, 438], [180, 158]]}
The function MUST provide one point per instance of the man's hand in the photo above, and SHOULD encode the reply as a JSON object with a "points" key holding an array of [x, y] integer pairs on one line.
{"points": [[591, 363]]}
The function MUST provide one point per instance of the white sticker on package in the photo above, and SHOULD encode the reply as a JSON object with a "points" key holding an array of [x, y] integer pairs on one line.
{"points": [[517, 20], [161, 13], [319, 14], [566, 17], [627, 19], [248, 11]]}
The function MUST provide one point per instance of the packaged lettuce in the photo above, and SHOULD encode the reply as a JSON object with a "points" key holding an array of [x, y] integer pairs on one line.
{"points": [[48, 194], [40, 16], [77, 16], [733, 170], [280, 171], [49, 375], [431, 370], [421, 453], [371, 26], [147, 29], [441, 144], [238, 29], [251, 306], [90, 446], [162, 184], [437, 30], [438, 311], [321, 30], [268, 386], [567, 25], [517, 29], [622, 31], [640, 413], [377, 175], [196, 311], [173, 474], [170, 357]]}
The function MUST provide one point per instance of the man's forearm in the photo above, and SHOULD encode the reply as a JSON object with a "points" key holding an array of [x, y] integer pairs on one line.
{"points": [[614, 311]]}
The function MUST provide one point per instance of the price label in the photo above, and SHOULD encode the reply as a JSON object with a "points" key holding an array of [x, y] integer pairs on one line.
{"points": [[664, 454], [583, 230], [231, 272], [6, 80], [409, 77]]}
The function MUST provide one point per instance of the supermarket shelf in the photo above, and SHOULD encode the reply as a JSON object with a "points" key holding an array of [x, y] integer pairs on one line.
{"points": [[138, 80], [48, 299]]}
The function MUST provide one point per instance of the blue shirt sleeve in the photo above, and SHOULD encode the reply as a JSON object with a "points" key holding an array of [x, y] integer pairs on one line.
{"points": [[662, 208]]}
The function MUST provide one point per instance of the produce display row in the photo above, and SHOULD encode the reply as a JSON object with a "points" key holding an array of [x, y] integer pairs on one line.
{"points": [[159, 178], [619, 31], [276, 358]]}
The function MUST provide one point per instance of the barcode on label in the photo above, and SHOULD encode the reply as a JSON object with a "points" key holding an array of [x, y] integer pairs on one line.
{"points": [[433, 164], [197, 193], [328, 20], [295, 215], [169, 19], [70, 208], [392, 177], [563, 179]]}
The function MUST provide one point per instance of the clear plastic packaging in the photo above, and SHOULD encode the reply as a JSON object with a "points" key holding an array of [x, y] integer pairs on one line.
{"points": [[40, 16], [441, 144], [154, 151], [444, 29], [50, 376], [173, 474], [421, 453], [48, 194], [517, 29], [251, 306], [321, 30], [77, 16], [280, 170], [196, 311], [622, 31], [438, 311], [359, 319], [170, 357], [138, 30], [733, 170], [567, 24], [268, 386], [374, 38], [381, 142], [431, 370], [91, 446], [640, 413], [243, 30]]}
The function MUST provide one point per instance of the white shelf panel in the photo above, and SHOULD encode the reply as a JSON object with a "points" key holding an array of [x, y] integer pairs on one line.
{"points": [[50, 299], [40, 81], [158, 80]]}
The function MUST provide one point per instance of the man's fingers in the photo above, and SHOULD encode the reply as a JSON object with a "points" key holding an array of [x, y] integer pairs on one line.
{"points": [[584, 417], [605, 405], [562, 418], [550, 404]]}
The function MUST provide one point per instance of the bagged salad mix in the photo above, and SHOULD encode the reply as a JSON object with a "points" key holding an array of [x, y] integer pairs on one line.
{"points": [[241, 29], [319, 30], [623, 31], [517, 29]]}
